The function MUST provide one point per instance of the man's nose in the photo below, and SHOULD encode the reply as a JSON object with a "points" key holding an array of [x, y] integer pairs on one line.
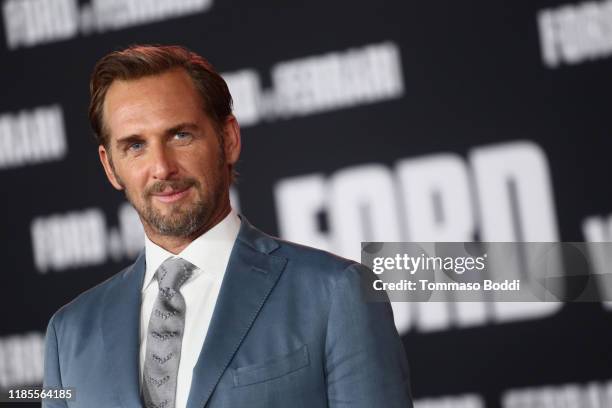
{"points": [[163, 164]]}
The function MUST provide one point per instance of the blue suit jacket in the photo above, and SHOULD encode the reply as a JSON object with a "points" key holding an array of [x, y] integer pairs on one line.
{"points": [[289, 330]]}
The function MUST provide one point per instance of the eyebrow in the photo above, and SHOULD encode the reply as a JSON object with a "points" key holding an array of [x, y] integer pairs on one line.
{"points": [[125, 140], [180, 127]]}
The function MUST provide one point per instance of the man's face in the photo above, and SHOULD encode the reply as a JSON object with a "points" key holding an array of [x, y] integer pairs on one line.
{"points": [[165, 152]]}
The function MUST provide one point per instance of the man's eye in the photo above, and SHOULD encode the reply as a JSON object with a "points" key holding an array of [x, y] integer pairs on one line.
{"points": [[182, 137], [135, 146]]}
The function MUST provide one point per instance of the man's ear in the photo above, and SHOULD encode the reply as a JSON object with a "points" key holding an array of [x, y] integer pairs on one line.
{"points": [[108, 167], [232, 141]]}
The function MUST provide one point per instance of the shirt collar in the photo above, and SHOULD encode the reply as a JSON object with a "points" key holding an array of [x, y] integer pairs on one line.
{"points": [[208, 252]]}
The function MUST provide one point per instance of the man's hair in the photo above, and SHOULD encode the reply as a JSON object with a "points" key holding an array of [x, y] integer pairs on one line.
{"points": [[139, 61]]}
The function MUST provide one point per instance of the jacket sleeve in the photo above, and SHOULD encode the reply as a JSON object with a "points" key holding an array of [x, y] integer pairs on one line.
{"points": [[52, 377], [365, 360]]}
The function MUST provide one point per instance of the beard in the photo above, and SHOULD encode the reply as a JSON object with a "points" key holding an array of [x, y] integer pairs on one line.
{"points": [[181, 220]]}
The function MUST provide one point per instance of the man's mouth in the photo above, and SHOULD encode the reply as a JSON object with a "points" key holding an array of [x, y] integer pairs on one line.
{"points": [[170, 195]]}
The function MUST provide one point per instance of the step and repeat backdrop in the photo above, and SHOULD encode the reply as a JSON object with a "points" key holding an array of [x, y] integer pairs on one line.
{"points": [[362, 120]]}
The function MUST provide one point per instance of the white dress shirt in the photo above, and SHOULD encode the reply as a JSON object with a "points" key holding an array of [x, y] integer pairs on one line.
{"points": [[210, 253]]}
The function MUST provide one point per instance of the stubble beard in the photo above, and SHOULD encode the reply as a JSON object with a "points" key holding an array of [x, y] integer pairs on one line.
{"points": [[183, 220]]}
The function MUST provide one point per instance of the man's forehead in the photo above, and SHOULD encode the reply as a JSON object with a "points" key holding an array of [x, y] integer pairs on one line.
{"points": [[172, 82], [155, 98]]}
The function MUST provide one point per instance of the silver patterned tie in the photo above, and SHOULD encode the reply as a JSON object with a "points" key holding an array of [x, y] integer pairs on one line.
{"points": [[165, 334]]}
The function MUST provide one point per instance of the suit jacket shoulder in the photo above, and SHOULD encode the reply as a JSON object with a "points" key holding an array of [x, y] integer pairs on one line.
{"points": [[80, 310], [315, 264]]}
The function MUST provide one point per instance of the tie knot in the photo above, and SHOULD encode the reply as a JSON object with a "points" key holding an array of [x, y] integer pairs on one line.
{"points": [[174, 272]]}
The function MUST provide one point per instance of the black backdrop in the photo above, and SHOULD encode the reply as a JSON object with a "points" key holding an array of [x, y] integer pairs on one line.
{"points": [[471, 76]]}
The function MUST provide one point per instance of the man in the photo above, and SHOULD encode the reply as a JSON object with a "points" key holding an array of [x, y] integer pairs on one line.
{"points": [[215, 313]]}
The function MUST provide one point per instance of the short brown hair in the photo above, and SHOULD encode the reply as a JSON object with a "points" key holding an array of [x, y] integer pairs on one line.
{"points": [[138, 61]]}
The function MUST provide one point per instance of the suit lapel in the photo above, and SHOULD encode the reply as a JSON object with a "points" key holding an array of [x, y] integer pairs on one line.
{"points": [[251, 274], [120, 332]]}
